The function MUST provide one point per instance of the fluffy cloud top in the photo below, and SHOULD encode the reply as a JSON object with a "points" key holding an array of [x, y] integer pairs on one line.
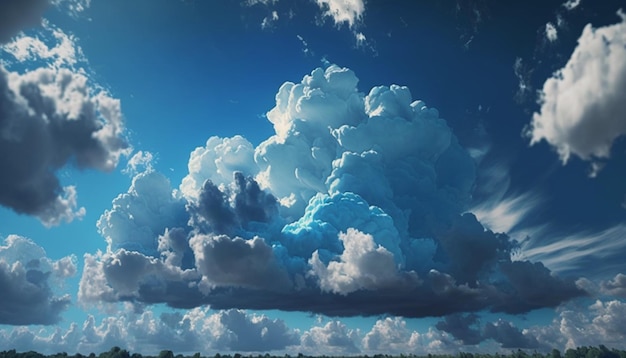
{"points": [[353, 207], [583, 104], [26, 280], [343, 11]]}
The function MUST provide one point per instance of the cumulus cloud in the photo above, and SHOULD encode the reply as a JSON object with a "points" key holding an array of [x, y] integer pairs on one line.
{"points": [[51, 118], [389, 335], [27, 280], [334, 335], [462, 327], [355, 206], [198, 330], [615, 287], [582, 104], [363, 265], [510, 336], [217, 161], [343, 11], [140, 215]]}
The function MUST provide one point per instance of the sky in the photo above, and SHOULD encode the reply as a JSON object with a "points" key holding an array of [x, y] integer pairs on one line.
{"points": [[330, 177]]}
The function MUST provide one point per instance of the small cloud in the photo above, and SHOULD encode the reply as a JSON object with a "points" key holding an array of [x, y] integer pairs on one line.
{"points": [[551, 32], [571, 4], [139, 162], [523, 73], [305, 46], [269, 21], [343, 11]]}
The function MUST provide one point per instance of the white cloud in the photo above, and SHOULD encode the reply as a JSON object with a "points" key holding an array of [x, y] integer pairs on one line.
{"points": [[551, 32], [334, 336], [63, 50], [388, 335], [139, 162], [217, 161], [571, 4], [362, 265], [269, 20], [343, 11], [582, 105]]}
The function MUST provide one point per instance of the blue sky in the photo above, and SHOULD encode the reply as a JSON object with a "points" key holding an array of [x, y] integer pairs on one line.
{"points": [[316, 176]]}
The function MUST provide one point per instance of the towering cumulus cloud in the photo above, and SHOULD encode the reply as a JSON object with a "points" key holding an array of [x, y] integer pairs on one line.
{"points": [[355, 206]]}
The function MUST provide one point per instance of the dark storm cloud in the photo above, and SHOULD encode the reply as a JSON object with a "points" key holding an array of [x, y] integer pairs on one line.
{"points": [[467, 329], [460, 327], [510, 336], [356, 206], [49, 118], [25, 283]]}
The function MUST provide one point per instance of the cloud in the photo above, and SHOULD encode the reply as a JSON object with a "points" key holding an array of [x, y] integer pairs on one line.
{"points": [[244, 332], [334, 335], [16, 15], [196, 330], [510, 336], [523, 74], [567, 253], [389, 335], [140, 162], [218, 161], [140, 215], [72, 7], [579, 326], [50, 118], [26, 281], [551, 32], [615, 287], [571, 4], [363, 265], [343, 11], [269, 20], [461, 328], [355, 206], [57, 49], [581, 104]]}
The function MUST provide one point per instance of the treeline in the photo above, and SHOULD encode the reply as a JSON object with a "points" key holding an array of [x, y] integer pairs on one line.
{"points": [[116, 352]]}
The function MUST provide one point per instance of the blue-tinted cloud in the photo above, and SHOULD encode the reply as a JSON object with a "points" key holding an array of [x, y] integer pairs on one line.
{"points": [[353, 207]]}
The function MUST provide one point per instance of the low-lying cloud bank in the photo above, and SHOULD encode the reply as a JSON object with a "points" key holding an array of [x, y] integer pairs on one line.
{"points": [[354, 207]]}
